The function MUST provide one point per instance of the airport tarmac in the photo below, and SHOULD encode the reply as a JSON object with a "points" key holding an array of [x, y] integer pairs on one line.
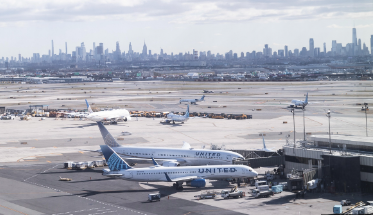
{"points": [[29, 172]]}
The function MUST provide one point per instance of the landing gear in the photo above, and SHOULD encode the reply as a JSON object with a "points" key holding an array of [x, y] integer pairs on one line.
{"points": [[182, 122], [173, 122], [238, 182], [178, 186]]}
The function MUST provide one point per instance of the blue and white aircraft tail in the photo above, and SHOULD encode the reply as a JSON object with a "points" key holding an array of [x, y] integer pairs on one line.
{"points": [[192, 101], [178, 118], [88, 107], [113, 160], [108, 138], [264, 146]]}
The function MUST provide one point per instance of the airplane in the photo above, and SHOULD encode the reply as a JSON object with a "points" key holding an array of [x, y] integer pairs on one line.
{"points": [[208, 91], [170, 157], [113, 115], [264, 147], [193, 101], [296, 103], [178, 118], [193, 176]]}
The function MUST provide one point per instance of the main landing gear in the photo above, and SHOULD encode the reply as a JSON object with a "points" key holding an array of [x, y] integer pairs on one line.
{"points": [[173, 122], [178, 186]]}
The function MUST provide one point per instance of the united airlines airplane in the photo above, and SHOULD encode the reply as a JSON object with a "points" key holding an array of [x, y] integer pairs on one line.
{"points": [[113, 115], [192, 101], [178, 118], [301, 103], [193, 176], [186, 156]]}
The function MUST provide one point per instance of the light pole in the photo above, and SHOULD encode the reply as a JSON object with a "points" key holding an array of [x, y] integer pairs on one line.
{"points": [[330, 143], [304, 125], [292, 110], [366, 118]]}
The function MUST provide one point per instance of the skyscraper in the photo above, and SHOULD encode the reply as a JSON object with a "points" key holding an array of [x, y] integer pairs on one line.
{"points": [[371, 45], [66, 47], [144, 50], [286, 51], [354, 38], [311, 48], [117, 51], [83, 51], [334, 46], [130, 49], [324, 48], [52, 49]]}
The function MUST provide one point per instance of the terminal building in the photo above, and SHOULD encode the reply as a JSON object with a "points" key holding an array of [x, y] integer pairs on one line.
{"points": [[344, 165]]}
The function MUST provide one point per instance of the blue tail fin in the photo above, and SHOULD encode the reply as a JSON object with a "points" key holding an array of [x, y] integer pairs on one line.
{"points": [[88, 107], [113, 160], [187, 112], [264, 143], [306, 101], [203, 98], [108, 139]]}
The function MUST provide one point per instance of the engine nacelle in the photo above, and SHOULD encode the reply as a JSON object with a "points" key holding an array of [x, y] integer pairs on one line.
{"points": [[170, 164], [197, 183]]}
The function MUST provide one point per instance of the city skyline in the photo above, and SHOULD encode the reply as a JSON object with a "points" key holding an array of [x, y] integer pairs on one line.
{"points": [[181, 26]]}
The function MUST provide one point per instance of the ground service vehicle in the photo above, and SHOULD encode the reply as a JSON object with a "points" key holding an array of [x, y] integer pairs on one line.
{"points": [[262, 191], [234, 193], [206, 195], [154, 197]]}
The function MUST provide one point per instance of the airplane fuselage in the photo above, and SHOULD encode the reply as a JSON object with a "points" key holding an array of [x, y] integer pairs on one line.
{"points": [[186, 157], [109, 115], [157, 173], [177, 118]]}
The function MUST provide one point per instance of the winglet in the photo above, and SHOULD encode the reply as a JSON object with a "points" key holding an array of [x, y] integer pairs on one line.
{"points": [[155, 162], [108, 139], [186, 145], [88, 107], [167, 177], [114, 161]]}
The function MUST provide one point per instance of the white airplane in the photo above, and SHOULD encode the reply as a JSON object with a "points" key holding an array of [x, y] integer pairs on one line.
{"points": [[178, 118], [301, 103], [193, 101], [264, 147], [193, 176], [112, 115], [186, 156]]}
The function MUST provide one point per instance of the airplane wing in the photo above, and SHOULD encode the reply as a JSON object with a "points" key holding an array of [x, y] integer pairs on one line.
{"points": [[149, 160], [186, 178]]}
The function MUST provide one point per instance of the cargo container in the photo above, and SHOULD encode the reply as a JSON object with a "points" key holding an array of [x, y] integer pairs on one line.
{"points": [[277, 189], [337, 209]]}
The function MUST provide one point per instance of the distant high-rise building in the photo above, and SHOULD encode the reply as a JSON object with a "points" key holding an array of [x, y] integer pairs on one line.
{"points": [[162, 52], [130, 51], [150, 52], [324, 48], [19, 58], [242, 55], [316, 52], [281, 53], [100, 49], [144, 50], [311, 48], [118, 53], [52, 49], [195, 54], [303, 52], [83, 52], [354, 38], [371, 45], [286, 51], [94, 48], [359, 46], [296, 52], [334, 46]]}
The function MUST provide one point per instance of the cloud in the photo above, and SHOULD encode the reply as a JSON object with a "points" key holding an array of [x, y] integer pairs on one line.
{"points": [[180, 11]]}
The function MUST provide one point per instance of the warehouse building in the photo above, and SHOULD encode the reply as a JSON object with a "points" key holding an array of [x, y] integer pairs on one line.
{"points": [[345, 165]]}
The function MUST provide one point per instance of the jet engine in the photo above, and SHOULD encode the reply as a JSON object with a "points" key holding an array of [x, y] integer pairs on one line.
{"points": [[197, 183], [170, 164]]}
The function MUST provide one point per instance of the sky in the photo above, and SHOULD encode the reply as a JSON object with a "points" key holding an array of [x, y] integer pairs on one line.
{"points": [[28, 26]]}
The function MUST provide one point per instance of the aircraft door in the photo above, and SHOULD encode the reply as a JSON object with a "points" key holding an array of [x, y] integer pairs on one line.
{"points": [[229, 158]]}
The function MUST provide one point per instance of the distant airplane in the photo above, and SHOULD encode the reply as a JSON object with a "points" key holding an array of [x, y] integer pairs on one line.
{"points": [[185, 156], [208, 91], [178, 118], [193, 176], [112, 115], [193, 101], [301, 103], [264, 147]]}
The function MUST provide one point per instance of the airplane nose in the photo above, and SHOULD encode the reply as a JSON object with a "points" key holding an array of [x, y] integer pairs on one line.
{"points": [[253, 171]]}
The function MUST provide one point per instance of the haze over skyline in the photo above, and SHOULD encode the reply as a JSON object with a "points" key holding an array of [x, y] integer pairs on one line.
{"points": [[180, 26]]}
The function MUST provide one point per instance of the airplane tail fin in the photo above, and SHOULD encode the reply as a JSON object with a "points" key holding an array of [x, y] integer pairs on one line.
{"points": [[187, 112], [306, 101], [203, 98], [264, 143], [108, 139], [113, 160], [88, 107]]}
